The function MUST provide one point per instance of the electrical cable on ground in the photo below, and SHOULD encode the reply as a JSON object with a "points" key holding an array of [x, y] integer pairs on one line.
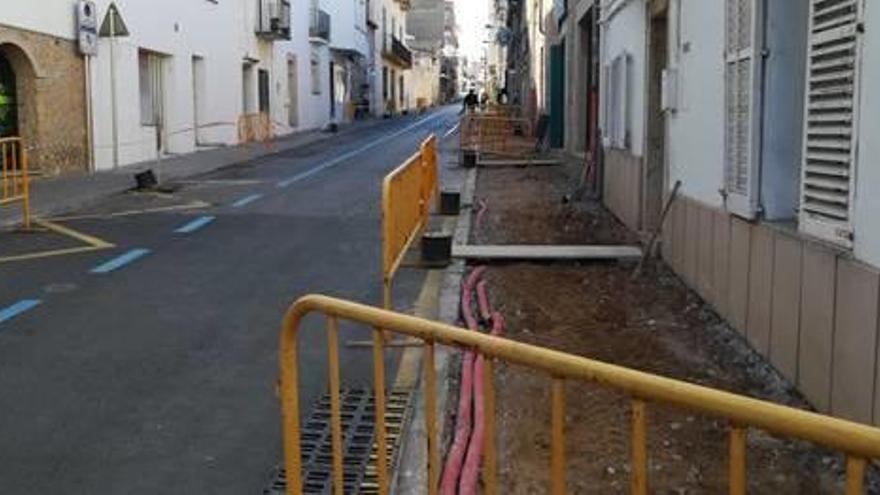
{"points": [[455, 457], [462, 468]]}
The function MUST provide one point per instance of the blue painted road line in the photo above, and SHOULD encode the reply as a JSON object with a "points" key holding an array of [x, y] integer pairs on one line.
{"points": [[195, 224], [18, 308], [121, 261], [339, 159], [246, 200]]}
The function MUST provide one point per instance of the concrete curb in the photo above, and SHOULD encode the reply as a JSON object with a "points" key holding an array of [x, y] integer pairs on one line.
{"points": [[411, 476]]}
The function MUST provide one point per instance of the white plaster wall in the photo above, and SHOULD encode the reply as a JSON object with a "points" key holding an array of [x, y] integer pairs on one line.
{"points": [[393, 9], [536, 14], [695, 131], [347, 24], [313, 110], [425, 79], [867, 205], [177, 32], [55, 17], [624, 32], [223, 34]]}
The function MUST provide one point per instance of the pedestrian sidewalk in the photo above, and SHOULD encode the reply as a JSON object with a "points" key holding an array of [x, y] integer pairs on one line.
{"points": [[52, 196]]}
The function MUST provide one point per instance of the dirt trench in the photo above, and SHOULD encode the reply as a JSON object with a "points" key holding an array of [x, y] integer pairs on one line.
{"points": [[655, 324]]}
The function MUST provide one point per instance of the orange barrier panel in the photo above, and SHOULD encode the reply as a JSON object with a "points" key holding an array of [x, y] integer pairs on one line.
{"points": [[407, 193], [255, 128], [496, 135]]}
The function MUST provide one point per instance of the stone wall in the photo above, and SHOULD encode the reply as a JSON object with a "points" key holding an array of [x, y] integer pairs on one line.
{"points": [[50, 76]]}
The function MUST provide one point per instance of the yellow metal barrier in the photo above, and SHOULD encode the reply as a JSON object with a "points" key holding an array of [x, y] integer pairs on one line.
{"points": [[15, 177], [861, 443], [255, 128], [406, 206]]}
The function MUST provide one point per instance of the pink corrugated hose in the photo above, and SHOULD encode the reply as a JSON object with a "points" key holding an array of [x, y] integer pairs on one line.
{"points": [[455, 457]]}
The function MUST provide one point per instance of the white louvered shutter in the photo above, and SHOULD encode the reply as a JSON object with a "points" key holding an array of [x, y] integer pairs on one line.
{"points": [[828, 174], [742, 77]]}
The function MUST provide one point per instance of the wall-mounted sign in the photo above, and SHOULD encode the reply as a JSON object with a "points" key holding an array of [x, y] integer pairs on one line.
{"points": [[87, 27]]}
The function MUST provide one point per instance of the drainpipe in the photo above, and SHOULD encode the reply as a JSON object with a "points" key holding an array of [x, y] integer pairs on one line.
{"points": [[115, 112], [90, 142]]}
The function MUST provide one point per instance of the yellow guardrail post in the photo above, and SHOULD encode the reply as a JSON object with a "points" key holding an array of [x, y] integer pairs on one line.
{"points": [[26, 186], [639, 448], [557, 438], [737, 460], [15, 176], [860, 443]]}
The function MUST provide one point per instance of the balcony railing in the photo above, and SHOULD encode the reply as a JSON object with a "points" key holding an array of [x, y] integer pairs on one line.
{"points": [[273, 19], [319, 25], [399, 53]]}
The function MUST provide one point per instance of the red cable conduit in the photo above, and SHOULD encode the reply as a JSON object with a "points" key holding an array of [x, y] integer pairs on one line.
{"points": [[478, 222], [483, 300], [471, 470], [455, 457]]}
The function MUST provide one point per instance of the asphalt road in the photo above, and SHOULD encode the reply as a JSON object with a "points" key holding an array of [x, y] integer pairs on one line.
{"points": [[151, 367]]}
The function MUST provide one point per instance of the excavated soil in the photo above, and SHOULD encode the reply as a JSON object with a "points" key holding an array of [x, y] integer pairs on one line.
{"points": [[539, 198], [653, 324]]}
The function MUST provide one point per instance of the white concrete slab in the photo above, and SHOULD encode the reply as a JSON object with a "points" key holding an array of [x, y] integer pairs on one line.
{"points": [[538, 252], [519, 163]]}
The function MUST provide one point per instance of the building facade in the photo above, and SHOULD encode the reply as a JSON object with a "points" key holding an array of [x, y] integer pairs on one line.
{"points": [[426, 20], [760, 110], [349, 64], [164, 86], [530, 23], [43, 86], [450, 62], [393, 58], [168, 78]]}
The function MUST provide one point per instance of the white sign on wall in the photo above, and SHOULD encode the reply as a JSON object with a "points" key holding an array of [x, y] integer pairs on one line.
{"points": [[87, 27]]}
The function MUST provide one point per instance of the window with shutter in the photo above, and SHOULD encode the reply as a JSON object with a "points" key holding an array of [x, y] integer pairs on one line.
{"points": [[623, 83], [742, 78], [617, 97], [827, 183]]}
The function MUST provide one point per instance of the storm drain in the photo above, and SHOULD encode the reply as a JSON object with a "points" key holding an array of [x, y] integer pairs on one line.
{"points": [[358, 445], [397, 411]]}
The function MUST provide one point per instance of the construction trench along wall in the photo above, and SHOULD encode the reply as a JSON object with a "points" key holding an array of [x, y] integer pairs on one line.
{"points": [[810, 310]]}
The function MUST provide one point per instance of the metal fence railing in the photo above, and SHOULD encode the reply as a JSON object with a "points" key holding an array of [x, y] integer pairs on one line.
{"points": [[407, 194], [15, 176], [496, 134], [859, 442]]}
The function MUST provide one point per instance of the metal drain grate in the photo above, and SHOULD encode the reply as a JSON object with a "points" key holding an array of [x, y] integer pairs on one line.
{"points": [[359, 449], [397, 412]]}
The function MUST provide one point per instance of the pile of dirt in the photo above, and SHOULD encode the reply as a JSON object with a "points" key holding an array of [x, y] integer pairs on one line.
{"points": [[654, 324], [538, 199]]}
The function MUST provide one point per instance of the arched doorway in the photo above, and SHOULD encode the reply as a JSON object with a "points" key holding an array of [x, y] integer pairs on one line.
{"points": [[8, 99], [18, 99]]}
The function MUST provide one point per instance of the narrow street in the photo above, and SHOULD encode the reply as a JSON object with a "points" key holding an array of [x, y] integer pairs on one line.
{"points": [[151, 367]]}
